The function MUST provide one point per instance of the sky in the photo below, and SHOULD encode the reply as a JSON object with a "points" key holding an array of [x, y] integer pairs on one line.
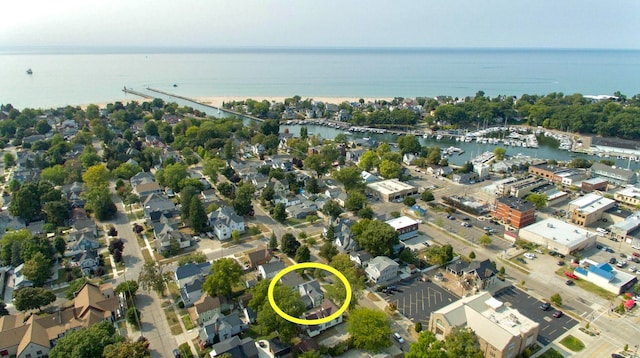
{"points": [[324, 23]]}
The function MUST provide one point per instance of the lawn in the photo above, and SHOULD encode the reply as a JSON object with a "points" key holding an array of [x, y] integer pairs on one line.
{"points": [[572, 343], [172, 319], [174, 291], [585, 285], [188, 323], [551, 353], [185, 349], [145, 255]]}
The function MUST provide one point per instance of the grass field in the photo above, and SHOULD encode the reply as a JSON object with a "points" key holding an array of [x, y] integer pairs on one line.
{"points": [[572, 343]]}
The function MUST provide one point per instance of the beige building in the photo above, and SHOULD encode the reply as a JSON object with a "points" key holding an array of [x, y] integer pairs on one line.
{"points": [[37, 335], [557, 235], [392, 189], [589, 208], [503, 332], [629, 195]]}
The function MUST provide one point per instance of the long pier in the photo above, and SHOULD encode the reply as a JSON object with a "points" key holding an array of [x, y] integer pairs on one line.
{"points": [[140, 94]]}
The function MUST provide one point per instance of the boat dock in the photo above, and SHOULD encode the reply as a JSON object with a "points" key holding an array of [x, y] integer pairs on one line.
{"points": [[139, 94]]}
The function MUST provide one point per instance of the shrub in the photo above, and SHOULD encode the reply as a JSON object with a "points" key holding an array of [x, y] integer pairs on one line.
{"points": [[418, 327]]}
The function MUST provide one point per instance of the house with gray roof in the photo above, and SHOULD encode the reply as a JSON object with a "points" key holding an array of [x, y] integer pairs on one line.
{"points": [[311, 294], [483, 272], [156, 206], [236, 347], [343, 237], [269, 270], [381, 269], [188, 272], [80, 241], [223, 327], [224, 221], [618, 176], [142, 178], [191, 291]]}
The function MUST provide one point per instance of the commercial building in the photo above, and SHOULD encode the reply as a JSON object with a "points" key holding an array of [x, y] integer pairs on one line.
{"points": [[626, 229], [392, 189], [558, 235], [605, 276], [502, 331], [520, 187], [547, 171], [629, 195], [589, 208], [616, 176], [405, 226], [514, 212], [381, 269], [594, 184]]}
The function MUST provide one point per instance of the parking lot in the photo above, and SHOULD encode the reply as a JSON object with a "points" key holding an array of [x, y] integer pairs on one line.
{"points": [[550, 327], [418, 299]]}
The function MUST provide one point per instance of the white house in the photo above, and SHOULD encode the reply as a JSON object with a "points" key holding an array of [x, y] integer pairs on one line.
{"points": [[381, 269], [327, 309], [224, 221], [269, 270]]}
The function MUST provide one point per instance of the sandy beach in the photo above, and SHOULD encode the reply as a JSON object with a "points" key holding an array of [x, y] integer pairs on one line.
{"points": [[217, 101]]}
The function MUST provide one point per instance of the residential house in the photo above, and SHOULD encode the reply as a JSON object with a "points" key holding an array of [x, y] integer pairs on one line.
{"points": [[156, 206], [361, 258], [258, 149], [481, 273], [163, 241], [224, 221], [236, 347], [326, 309], [10, 222], [142, 178], [88, 261], [465, 178], [269, 270], [186, 273], [368, 177], [259, 257], [221, 327], [299, 212], [354, 155], [343, 237], [20, 280], [35, 336], [145, 189], [311, 294], [80, 241], [381, 269], [191, 291], [207, 307], [408, 158]]}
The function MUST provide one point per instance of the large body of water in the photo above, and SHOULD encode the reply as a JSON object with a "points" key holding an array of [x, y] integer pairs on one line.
{"points": [[79, 77]]}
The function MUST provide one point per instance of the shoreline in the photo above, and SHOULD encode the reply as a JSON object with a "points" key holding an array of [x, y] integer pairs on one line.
{"points": [[217, 101]]}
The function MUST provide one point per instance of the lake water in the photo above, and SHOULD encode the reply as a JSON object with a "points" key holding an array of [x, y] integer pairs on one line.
{"points": [[79, 77]]}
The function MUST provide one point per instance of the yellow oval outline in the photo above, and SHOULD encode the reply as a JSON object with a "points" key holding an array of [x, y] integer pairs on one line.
{"points": [[304, 265]]}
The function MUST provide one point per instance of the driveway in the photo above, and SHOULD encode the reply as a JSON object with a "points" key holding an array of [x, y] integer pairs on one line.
{"points": [[550, 328]]}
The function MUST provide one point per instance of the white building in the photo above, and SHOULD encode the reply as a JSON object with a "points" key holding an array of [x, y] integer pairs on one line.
{"points": [[558, 235], [605, 276], [381, 269], [589, 208], [224, 221], [405, 226], [392, 189]]}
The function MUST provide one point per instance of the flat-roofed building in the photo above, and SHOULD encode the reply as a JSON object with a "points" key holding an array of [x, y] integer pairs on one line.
{"points": [[546, 171], [623, 230], [558, 235], [629, 195], [502, 331], [605, 276], [405, 226], [594, 184], [392, 189], [515, 212], [589, 208], [522, 187], [618, 176]]}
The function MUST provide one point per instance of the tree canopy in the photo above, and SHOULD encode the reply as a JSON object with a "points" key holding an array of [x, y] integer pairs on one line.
{"points": [[369, 329], [461, 342], [225, 273], [86, 342], [375, 236], [29, 298]]}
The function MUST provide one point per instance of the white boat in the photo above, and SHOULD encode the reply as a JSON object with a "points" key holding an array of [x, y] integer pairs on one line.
{"points": [[439, 137], [29, 72]]}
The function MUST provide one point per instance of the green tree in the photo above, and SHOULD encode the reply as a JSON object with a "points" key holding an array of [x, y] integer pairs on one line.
{"points": [[350, 177], [25, 202], [439, 255], [312, 186], [289, 302], [86, 342], [9, 160], [133, 316], [330, 235], [56, 174], [172, 175], [409, 144], [409, 201], [96, 176], [556, 299], [375, 236], [462, 342], [3, 309], [235, 236], [369, 160], [126, 170], [273, 242], [197, 215], [57, 212], [29, 298], [369, 329], [302, 254], [433, 155], [268, 193], [427, 196], [332, 209], [288, 244], [137, 349], [127, 288], [539, 200], [100, 202], [366, 213], [580, 163], [153, 277], [279, 213], [37, 269], [317, 163], [242, 202], [499, 153], [328, 251], [60, 245], [74, 287], [472, 255], [89, 157], [310, 354], [336, 291], [485, 240], [390, 170], [197, 257], [225, 273], [355, 201]]}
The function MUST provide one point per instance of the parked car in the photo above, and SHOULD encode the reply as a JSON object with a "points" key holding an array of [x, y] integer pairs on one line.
{"points": [[545, 306], [612, 260], [552, 253], [616, 355], [451, 217], [466, 218], [558, 314], [571, 275], [465, 224], [398, 337], [176, 353], [539, 251], [636, 254], [529, 255], [560, 263], [569, 283], [632, 269]]}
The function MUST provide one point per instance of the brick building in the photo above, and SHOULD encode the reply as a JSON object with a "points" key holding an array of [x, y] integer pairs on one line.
{"points": [[515, 212]]}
